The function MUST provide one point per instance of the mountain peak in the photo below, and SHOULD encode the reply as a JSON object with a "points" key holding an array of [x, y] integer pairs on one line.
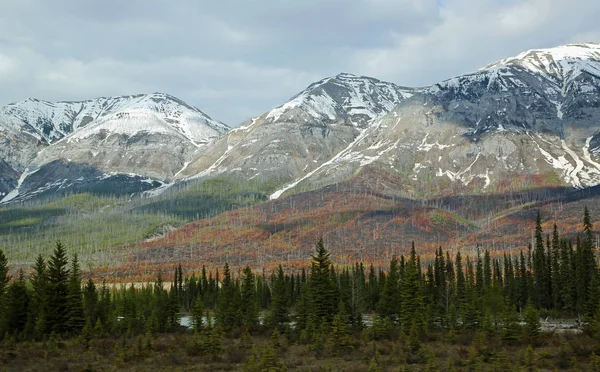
{"points": [[360, 97], [558, 60]]}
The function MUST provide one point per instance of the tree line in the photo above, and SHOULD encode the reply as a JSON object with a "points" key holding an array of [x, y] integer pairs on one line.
{"points": [[322, 304]]}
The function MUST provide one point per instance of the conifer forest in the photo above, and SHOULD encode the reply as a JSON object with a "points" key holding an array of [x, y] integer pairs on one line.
{"points": [[538, 309]]}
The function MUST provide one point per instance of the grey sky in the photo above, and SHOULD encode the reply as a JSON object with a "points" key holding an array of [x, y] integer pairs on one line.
{"points": [[237, 59]]}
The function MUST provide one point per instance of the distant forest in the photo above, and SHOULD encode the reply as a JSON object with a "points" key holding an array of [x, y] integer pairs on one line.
{"points": [[494, 302]]}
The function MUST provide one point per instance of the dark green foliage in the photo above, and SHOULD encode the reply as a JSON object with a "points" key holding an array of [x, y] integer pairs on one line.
{"points": [[278, 314], [532, 327], [17, 300], [197, 314], [75, 313], [57, 311], [228, 312], [389, 304], [323, 293], [249, 299]]}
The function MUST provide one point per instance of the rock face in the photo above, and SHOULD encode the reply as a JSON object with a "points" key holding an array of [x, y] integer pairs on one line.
{"points": [[303, 133], [532, 116], [152, 135]]}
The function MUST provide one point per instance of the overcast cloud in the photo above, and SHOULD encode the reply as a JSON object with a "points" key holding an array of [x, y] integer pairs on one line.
{"points": [[237, 59]]}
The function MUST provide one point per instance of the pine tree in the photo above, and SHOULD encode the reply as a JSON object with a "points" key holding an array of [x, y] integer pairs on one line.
{"points": [[532, 327], [197, 314], [4, 277], [4, 280], [539, 264], [413, 308], [389, 305], [57, 311], [323, 293], [249, 299], [17, 306], [586, 263], [90, 302], [556, 269], [278, 314], [36, 322], [228, 302], [339, 336], [75, 314]]}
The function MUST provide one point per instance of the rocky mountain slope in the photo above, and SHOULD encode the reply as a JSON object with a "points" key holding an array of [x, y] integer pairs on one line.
{"points": [[303, 133], [142, 136], [532, 116]]}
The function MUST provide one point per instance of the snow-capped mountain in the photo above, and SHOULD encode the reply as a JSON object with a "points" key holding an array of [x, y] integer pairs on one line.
{"points": [[526, 121], [306, 131], [146, 135], [531, 117]]}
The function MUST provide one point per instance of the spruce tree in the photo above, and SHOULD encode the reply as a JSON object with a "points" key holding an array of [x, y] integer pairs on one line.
{"points": [[413, 307], [323, 294], [57, 310], [75, 314], [249, 299], [389, 304], [228, 312], [4, 277], [90, 302], [539, 264], [278, 314], [17, 306], [36, 322], [198, 314]]}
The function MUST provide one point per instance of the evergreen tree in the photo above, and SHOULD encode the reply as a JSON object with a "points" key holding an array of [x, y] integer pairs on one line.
{"points": [[75, 313], [539, 265], [532, 327], [228, 312], [389, 305], [249, 299], [36, 322], [90, 302], [323, 293], [57, 310], [278, 314], [413, 308], [339, 336], [556, 269], [586, 263], [4, 280], [17, 306], [4, 277], [487, 270], [197, 314]]}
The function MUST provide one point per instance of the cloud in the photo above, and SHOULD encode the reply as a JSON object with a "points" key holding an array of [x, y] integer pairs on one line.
{"points": [[470, 35], [237, 59]]}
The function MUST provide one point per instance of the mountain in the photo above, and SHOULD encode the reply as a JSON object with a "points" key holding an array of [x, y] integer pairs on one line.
{"points": [[303, 133], [529, 120], [142, 136]]}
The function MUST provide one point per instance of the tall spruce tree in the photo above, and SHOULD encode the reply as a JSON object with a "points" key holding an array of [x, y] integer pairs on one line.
{"points": [[412, 309], [90, 302], [278, 314], [389, 304], [17, 306], [57, 311], [36, 322], [539, 264], [249, 299], [228, 312], [75, 314], [324, 299]]}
